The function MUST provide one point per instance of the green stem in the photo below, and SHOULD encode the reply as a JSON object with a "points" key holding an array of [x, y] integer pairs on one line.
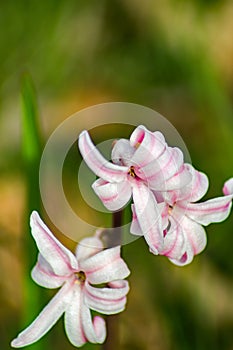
{"points": [[31, 152]]}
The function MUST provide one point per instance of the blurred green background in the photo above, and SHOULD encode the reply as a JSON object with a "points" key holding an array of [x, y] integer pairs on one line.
{"points": [[174, 56]]}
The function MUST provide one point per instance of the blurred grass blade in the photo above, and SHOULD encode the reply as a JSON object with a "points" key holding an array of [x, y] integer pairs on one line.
{"points": [[31, 144], [31, 152]]}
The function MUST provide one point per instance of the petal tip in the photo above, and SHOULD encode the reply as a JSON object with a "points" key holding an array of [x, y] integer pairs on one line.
{"points": [[15, 343], [228, 187], [34, 218], [34, 214], [83, 132]]}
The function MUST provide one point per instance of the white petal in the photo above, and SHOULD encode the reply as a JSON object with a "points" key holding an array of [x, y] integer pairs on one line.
{"points": [[87, 247], [95, 331], [195, 240], [135, 227], [122, 152], [73, 322], [148, 215], [59, 257], [43, 274], [105, 266], [186, 258], [161, 168], [149, 146], [109, 300], [198, 187], [113, 195], [178, 180], [174, 241], [97, 163], [192, 191], [228, 187], [213, 210], [46, 319]]}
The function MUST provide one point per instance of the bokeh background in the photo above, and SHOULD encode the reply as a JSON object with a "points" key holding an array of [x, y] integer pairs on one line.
{"points": [[175, 56]]}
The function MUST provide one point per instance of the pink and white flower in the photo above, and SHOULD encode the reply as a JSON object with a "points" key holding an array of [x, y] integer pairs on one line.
{"points": [[78, 276], [140, 165], [182, 217]]}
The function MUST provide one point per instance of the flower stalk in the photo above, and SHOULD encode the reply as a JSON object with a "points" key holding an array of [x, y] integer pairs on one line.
{"points": [[31, 152]]}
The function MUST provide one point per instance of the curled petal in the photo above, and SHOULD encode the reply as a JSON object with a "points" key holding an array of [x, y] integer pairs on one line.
{"points": [[186, 258], [59, 257], [105, 266], [195, 234], [97, 163], [113, 195], [109, 300], [198, 187], [73, 322], [195, 240], [122, 152], [95, 331], [148, 216], [149, 146], [162, 168], [213, 210], [174, 241], [43, 274], [88, 247], [135, 227], [178, 180], [228, 187], [192, 191], [46, 319]]}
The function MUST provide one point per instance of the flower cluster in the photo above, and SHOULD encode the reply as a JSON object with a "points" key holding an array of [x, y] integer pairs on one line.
{"points": [[164, 190], [79, 277], [166, 210]]}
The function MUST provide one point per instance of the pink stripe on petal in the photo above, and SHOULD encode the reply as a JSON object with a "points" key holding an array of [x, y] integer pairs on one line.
{"points": [[43, 274], [115, 290], [97, 163], [195, 241], [149, 146], [186, 258], [148, 216], [213, 210], [113, 195], [163, 167], [46, 319], [73, 321], [178, 180], [95, 331], [174, 241], [106, 307], [58, 256], [195, 234], [199, 185], [135, 227], [191, 191], [105, 266], [108, 303]]}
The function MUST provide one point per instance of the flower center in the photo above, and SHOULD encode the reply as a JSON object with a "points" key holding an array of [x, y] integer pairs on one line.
{"points": [[170, 209], [80, 277], [131, 172]]}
